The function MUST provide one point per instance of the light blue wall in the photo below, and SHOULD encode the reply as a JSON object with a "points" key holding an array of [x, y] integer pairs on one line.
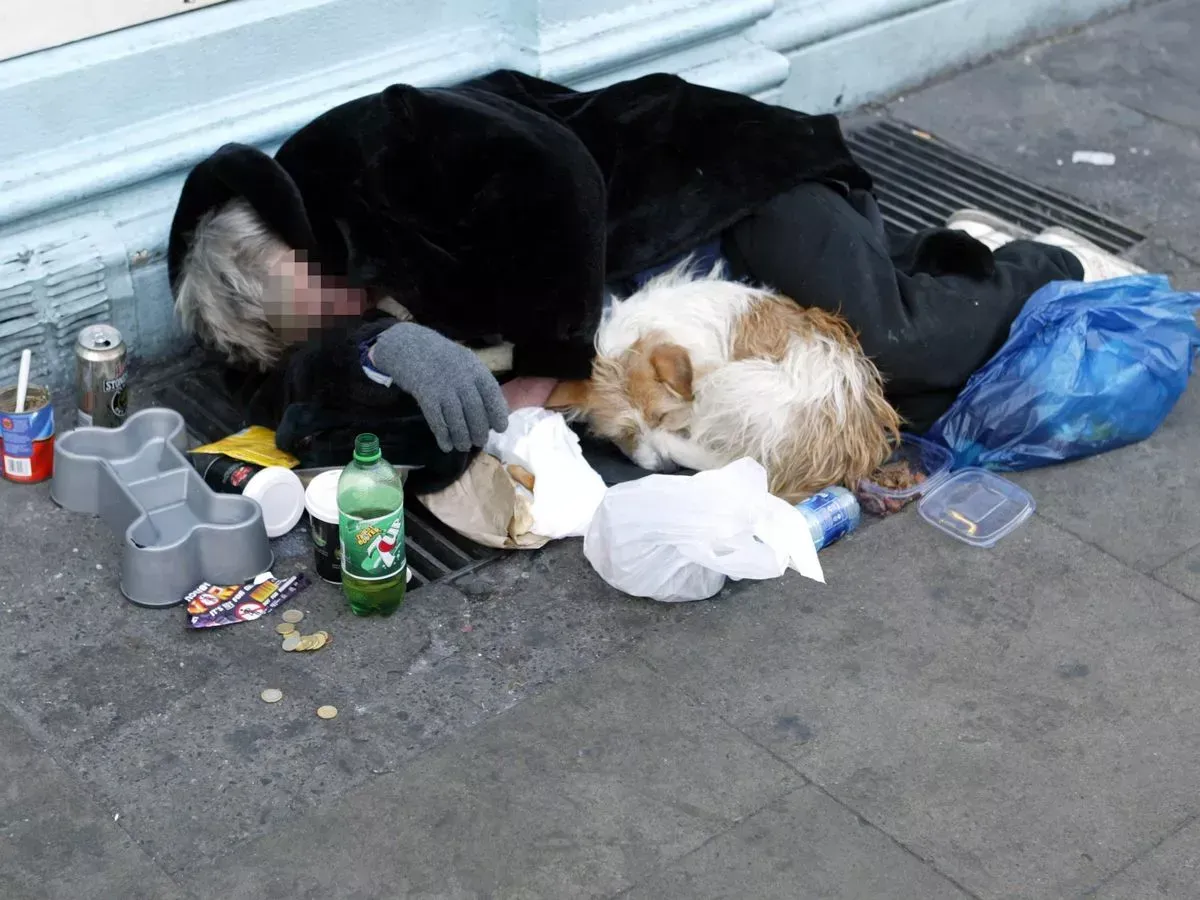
{"points": [[95, 137]]}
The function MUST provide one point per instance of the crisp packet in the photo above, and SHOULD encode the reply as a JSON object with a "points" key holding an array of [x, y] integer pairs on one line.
{"points": [[253, 445], [210, 605]]}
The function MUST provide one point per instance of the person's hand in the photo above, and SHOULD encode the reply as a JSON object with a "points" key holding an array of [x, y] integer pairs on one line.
{"points": [[458, 396]]}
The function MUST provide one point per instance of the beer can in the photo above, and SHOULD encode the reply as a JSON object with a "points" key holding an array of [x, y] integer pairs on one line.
{"points": [[101, 377]]}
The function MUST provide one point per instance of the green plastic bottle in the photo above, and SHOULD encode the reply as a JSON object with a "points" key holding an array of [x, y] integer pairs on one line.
{"points": [[370, 497]]}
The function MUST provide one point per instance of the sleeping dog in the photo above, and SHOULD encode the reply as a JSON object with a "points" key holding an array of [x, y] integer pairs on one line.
{"points": [[699, 371]]}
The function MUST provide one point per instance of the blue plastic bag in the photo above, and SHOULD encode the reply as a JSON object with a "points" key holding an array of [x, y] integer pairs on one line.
{"points": [[1086, 368]]}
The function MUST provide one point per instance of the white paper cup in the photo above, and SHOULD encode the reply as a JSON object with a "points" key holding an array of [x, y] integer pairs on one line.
{"points": [[320, 499]]}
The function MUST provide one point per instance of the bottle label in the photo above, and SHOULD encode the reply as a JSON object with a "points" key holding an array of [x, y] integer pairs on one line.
{"points": [[227, 475], [828, 507], [372, 549]]}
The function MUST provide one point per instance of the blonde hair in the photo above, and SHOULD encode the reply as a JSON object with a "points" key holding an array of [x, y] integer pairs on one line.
{"points": [[223, 282]]}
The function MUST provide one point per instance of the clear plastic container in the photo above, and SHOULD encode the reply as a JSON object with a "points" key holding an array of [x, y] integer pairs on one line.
{"points": [[977, 507], [923, 457]]}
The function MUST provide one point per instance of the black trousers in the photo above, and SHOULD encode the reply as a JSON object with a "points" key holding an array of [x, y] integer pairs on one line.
{"points": [[926, 330]]}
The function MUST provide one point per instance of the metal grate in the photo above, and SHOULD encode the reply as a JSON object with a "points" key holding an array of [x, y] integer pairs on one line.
{"points": [[435, 552], [921, 181]]}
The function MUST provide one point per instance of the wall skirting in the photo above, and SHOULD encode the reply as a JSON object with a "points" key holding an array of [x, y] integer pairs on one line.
{"points": [[99, 135], [872, 48]]}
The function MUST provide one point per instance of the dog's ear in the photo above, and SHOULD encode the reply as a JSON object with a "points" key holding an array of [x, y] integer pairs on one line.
{"points": [[574, 395], [673, 366]]}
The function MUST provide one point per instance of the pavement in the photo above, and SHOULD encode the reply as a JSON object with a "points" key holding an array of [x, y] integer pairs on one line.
{"points": [[937, 722]]}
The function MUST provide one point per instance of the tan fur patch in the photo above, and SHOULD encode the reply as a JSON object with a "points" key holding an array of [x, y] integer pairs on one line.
{"points": [[769, 326], [673, 367], [570, 395], [822, 448], [834, 452], [650, 384], [658, 381]]}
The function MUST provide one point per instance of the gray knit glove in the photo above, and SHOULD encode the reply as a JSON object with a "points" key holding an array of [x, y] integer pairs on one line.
{"points": [[458, 396]]}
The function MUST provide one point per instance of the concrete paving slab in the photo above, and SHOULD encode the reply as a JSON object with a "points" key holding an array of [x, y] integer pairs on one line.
{"points": [[179, 773], [1145, 61], [577, 793], [1183, 573], [802, 846], [55, 841], [1137, 503], [1157, 255], [87, 661], [1170, 871], [1023, 718]]}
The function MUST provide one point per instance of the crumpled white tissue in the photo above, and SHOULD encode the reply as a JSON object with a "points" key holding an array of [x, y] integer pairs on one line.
{"points": [[566, 490]]}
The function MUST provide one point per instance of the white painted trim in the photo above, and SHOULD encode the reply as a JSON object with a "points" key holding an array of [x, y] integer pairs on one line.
{"points": [[27, 26], [798, 24], [582, 50], [154, 147], [731, 63], [677, 35]]}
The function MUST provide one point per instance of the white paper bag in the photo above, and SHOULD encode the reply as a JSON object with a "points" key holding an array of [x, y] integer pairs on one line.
{"points": [[566, 489]]}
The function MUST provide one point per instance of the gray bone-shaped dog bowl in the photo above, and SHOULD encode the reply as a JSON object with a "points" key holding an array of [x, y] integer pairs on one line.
{"points": [[176, 531]]}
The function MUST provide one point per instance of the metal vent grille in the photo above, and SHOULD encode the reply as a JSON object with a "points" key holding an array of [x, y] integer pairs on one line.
{"points": [[435, 552], [921, 181], [53, 282]]}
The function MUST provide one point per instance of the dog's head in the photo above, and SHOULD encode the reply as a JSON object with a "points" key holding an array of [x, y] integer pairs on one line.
{"points": [[634, 398]]}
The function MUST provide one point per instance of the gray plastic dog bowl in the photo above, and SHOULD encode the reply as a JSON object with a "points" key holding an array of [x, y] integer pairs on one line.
{"points": [[176, 531]]}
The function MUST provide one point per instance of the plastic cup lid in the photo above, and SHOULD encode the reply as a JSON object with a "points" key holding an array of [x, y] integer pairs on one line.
{"points": [[321, 496], [281, 496], [977, 506]]}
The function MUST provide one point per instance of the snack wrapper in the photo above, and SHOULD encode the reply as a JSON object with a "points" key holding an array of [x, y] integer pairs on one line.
{"points": [[211, 605], [254, 445]]}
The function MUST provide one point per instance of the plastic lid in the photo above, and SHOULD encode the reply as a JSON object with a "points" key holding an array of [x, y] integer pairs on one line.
{"points": [[321, 497], [281, 496], [977, 507]]}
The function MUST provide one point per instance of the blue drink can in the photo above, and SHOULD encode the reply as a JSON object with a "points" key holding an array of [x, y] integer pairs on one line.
{"points": [[831, 514]]}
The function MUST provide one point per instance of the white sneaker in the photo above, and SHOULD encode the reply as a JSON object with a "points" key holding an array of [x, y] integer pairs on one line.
{"points": [[990, 230], [1098, 264]]}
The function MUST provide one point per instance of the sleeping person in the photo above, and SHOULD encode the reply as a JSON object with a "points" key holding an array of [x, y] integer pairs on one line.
{"points": [[418, 261]]}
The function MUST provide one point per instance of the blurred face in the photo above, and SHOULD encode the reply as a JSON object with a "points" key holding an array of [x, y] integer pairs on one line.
{"points": [[300, 301]]}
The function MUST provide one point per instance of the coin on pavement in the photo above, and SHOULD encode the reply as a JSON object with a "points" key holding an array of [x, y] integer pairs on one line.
{"points": [[272, 695], [292, 615], [326, 712], [291, 642], [285, 628]]}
